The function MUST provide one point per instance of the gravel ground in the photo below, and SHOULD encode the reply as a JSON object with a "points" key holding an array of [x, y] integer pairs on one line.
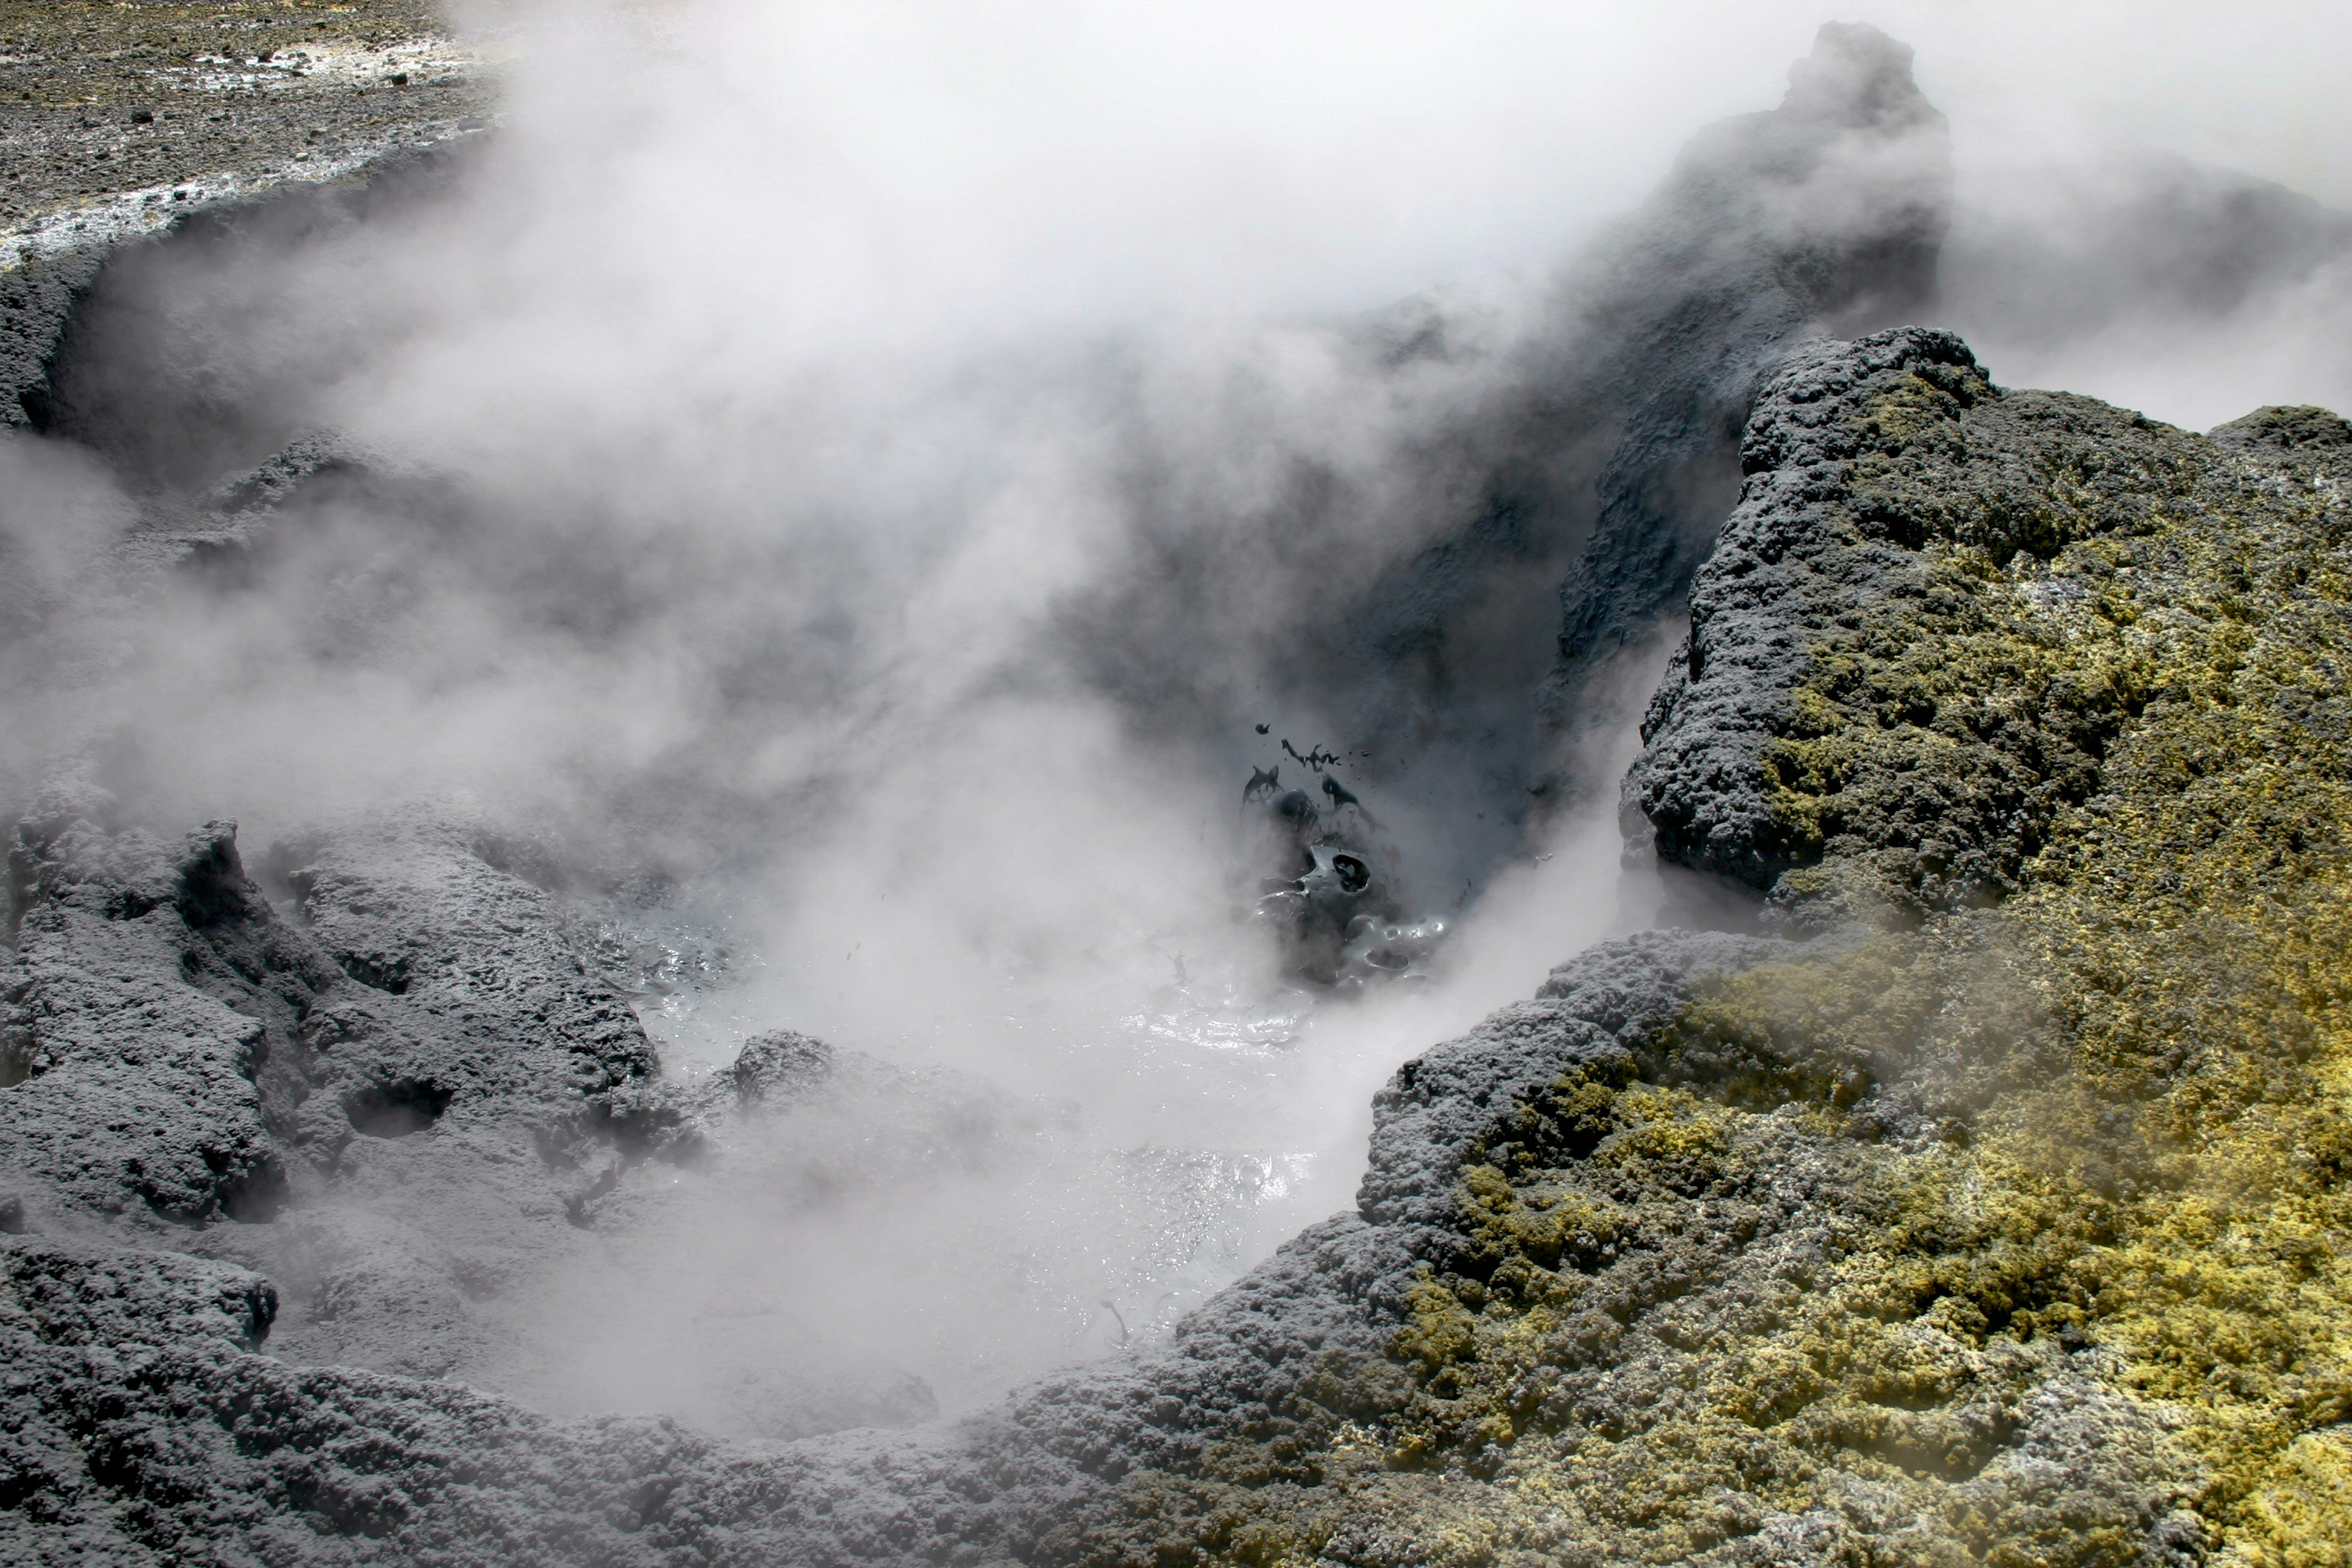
{"points": [[114, 116]]}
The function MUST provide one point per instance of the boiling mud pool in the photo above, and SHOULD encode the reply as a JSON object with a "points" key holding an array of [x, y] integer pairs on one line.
{"points": [[1000, 1178]]}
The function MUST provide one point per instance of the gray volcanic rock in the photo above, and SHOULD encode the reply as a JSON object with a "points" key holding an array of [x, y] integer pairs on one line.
{"points": [[1829, 211], [154, 976], [455, 1069], [59, 1291], [1787, 561], [135, 1427], [178, 1053], [151, 1033], [1865, 461], [1562, 492], [2291, 428], [241, 1452], [403, 1103], [468, 998], [1597, 1011]]}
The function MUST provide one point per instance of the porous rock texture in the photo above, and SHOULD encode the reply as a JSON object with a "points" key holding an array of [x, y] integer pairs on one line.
{"points": [[181, 1053], [321, 1464], [1829, 212], [1990, 1211], [1927, 1238], [133, 1085], [1991, 1216], [2033, 706]]}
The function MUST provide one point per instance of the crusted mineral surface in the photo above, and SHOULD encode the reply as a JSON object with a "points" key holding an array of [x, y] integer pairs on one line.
{"points": [[1996, 1212], [1988, 1208], [2002, 1221], [1991, 1212], [118, 120], [104, 103]]}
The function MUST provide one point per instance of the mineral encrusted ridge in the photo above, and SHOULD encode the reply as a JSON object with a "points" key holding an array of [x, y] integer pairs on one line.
{"points": [[1991, 1210], [1789, 559], [1729, 1249]]}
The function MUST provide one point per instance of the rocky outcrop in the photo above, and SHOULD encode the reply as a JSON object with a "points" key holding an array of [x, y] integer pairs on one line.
{"points": [[220, 1052], [412, 1064], [1962, 1231], [338, 1465], [2034, 704], [1568, 479], [467, 993], [1987, 1213], [1905, 1240], [1908, 659], [182, 1055], [151, 1035], [1830, 210], [38, 297]]}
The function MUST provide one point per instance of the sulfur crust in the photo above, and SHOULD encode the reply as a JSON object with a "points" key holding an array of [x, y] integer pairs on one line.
{"points": [[2075, 1109]]}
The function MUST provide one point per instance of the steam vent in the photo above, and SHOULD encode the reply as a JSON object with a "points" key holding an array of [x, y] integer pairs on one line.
{"points": [[740, 1020]]}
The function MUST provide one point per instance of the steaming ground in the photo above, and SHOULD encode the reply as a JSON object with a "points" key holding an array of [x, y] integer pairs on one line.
{"points": [[722, 456], [1104, 1156]]}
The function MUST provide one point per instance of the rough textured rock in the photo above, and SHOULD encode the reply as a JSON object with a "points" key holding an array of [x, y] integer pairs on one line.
{"points": [[2298, 429], [151, 1035], [1998, 1221], [1807, 719], [1593, 1013], [37, 300], [181, 1053], [123, 120], [468, 996], [1734, 1251], [1965, 1239], [344, 1465], [1791, 562], [1829, 210], [1568, 479]]}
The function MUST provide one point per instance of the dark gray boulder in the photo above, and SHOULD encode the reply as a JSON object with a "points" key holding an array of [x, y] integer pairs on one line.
{"points": [[1886, 476], [1789, 560], [466, 990], [1827, 213], [185, 1060], [154, 1003]]}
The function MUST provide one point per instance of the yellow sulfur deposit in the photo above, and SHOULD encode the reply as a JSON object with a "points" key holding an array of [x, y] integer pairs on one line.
{"points": [[2006, 1221]]}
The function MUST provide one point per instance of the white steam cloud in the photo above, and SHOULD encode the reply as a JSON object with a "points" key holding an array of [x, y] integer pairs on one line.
{"points": [[739, 425]]}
